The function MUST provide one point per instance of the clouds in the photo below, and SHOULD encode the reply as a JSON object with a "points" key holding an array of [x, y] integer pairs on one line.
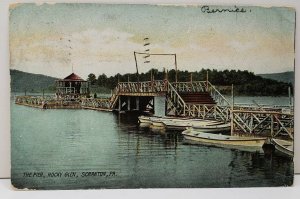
{"points": [[49, 41], [104, 50], [106, 45]]}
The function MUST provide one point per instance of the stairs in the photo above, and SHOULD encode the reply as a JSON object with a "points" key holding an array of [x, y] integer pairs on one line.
{"points": [[197, 98], [188, 99]]}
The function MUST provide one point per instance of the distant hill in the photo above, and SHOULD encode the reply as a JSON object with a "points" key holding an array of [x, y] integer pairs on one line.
{"points": [[246, 83], [21, 81], [288, 77]]}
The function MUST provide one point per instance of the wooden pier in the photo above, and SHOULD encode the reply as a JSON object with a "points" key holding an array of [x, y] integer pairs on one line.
{"points": [[194, 99]]}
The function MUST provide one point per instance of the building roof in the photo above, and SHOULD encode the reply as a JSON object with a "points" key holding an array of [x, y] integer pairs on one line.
{"points": [[73, 77]]}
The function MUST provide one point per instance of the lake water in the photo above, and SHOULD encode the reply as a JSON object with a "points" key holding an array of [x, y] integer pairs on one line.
{"points": [[72, 149]]}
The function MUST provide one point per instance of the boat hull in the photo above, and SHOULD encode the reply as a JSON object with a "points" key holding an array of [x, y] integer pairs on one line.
{"points": [[144, 121], [173, 123], [224, 140], [213, 128], [182, 124], [157, 124], [145, 124], [283, 146]]}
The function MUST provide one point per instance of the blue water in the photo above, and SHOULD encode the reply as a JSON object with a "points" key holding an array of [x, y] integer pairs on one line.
{"points": [[81, 141]]}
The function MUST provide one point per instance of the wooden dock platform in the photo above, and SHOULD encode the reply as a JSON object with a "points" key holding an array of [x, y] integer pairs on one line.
{"points": [[194, 99]]}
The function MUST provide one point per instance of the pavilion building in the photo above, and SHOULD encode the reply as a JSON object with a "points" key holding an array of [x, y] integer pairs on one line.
{"points": [[72, 87]]}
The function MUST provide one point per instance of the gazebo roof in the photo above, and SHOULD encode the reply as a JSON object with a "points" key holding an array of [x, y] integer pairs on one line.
{"points": [[73, 77]]}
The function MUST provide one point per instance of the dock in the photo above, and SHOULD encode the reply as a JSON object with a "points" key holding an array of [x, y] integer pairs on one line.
{"points": [[194, 99]]}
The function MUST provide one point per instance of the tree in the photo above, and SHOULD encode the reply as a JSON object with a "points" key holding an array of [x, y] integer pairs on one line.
{"points": [[101, 81], [92, 78]]}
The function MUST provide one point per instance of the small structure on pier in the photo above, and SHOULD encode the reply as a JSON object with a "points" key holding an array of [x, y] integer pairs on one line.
{"points": [[72, 87]]}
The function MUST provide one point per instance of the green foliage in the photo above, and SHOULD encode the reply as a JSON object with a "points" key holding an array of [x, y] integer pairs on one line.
{"points": [[245, 83], [99, 89], [92, 78], [21, 81]]}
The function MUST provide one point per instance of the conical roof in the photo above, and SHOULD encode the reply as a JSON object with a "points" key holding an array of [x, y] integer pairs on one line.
{"points": [[73, 77]]}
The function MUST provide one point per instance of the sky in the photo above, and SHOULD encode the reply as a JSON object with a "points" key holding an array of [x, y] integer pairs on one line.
{"points": [[56, 39]]}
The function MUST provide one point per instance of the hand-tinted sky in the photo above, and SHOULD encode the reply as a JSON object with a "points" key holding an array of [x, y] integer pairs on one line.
{"points": [[49, 39]]}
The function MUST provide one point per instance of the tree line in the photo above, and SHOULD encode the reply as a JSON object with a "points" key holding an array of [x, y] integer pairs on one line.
{"points": [[245, 82]]}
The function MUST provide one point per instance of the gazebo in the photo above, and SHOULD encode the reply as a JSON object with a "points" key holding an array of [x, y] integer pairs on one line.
{"points": [[72, 86]]}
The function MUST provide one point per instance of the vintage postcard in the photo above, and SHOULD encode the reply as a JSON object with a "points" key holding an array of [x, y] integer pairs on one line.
{"points": [[151, 96]]}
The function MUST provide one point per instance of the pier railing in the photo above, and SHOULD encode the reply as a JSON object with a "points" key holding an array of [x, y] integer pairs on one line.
{"points": [[114, 97], [192, 86], [99, 103], [219, 111], [175, 104], [208, 111], [155, 86], [245, 118], [47, 102], [218, 97], [264, 107], [202, 86], [258, 122], [33, 100]]}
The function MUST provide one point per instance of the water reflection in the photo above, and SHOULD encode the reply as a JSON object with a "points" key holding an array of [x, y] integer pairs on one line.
{"points": [[82, 140], [73, 132]]}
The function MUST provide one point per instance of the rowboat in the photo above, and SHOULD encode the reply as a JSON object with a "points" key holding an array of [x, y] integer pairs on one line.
{"points": [[213, 127], [180, 124], [153, 121], [227, 141], [156, 122], [144, 121], [174, 122], [284, 147]]}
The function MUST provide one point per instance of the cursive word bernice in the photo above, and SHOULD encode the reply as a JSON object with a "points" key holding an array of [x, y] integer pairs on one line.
{"points": [[207, 9]]}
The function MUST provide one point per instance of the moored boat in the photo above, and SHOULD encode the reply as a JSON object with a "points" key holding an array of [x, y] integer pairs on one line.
{"points": [[156, 122], [284, 147], [144, 121], [221, 127], [183, 124], [175, 122], [247, 143]]}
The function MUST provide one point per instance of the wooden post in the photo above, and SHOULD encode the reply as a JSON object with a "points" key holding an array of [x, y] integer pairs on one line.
{"points": [[136, 65], [251, 123], [176, 71], [151, 73], [153, 105], [120, 103], [207, 80], [290, 97], [191, 77], [166, 105], [231, 112], [232, 96], [167, 75], [137, 102], [128, 103], [128, 78], [272, 125]]}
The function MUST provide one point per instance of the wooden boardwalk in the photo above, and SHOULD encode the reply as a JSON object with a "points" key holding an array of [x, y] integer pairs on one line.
{"points": [[194, 99]]}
